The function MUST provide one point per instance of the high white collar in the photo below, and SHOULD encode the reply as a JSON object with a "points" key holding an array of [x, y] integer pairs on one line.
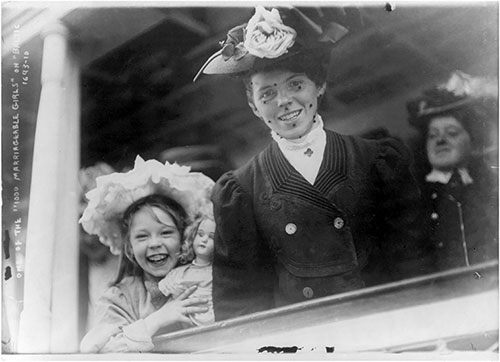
{"points": [[307, 141], [445, 176]]}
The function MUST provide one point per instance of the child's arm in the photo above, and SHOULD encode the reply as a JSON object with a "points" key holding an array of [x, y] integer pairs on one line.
{"points": [[176, 311], [118, 329]]}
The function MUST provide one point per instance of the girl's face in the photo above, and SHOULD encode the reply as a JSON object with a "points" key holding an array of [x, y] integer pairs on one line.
{"points": [[155, 240], [448, 143], [203, 244], [285, 101]]}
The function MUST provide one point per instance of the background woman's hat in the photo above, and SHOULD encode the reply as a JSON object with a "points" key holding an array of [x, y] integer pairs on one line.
{"points": [[272, 35], [461, 90]]}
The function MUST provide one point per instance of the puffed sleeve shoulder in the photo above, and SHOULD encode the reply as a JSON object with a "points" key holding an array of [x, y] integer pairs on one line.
{"points": [[240, 283], [398, 211], [393, 161]]}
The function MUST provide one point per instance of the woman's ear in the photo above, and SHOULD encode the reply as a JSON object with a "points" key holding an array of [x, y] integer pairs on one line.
{"points": [[254, 109], [322, 90]]}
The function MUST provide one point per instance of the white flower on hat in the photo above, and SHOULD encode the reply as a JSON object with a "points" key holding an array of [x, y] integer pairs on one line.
{"points": [[266, 36], [114, 193], [465, 85]]}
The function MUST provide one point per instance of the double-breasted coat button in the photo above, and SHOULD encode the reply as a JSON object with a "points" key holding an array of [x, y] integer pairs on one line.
{"points": [[338, 223], [434, 196], [434, 216], [290, 228], [308, 292]]}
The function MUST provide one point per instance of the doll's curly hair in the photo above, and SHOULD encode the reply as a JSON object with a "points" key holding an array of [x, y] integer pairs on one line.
{"points": [[187, 252]]}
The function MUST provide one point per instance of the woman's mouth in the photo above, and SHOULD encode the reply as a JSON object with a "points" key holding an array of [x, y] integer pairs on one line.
{"points": [[290, 116], [442, 150], [157, 259]]}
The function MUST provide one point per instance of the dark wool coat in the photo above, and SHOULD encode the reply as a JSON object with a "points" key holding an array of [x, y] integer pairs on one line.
{"points": [[447, 207], [281, 240]]}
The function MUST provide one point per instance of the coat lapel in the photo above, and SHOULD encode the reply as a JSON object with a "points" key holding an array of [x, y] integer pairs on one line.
{"points": [[287, 180], [333, 170]]}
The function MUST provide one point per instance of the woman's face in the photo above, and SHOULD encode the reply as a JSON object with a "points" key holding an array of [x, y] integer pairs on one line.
{"points": [[448, 143], [155, 241], [285, 101], [203, 243]]}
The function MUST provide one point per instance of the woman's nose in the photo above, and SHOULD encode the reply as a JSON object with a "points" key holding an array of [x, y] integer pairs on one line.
{"points": [[441, 140], [283, 98]]}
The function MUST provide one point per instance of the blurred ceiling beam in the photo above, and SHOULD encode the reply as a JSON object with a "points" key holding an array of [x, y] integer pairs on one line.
{"points": [[187, 21]]}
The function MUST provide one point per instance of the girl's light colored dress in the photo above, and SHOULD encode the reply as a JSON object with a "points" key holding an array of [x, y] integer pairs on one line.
{"points": [[120, 325], [181, 278]]}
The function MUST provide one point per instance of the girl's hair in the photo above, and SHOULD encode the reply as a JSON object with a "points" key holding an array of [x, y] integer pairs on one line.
{"points": [[187, 252], [314, 64], [128, 265]]}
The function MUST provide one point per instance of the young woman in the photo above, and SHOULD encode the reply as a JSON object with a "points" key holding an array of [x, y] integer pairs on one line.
{"points": [[460, 193], [301, 219], [142, 215]]}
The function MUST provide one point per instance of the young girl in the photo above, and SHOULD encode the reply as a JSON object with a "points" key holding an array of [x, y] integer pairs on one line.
{"points": [[142, 215], [197, 273]]}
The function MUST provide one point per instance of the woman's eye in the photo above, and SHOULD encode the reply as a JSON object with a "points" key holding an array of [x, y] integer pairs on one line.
{"points": [[166, 233], [267, 95], [295, 84], [200, 234], [140, 237]]}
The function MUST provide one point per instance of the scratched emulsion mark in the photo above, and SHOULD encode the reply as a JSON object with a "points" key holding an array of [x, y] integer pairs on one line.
{"points": [[272, 349], [6, 244], [6, 252], [390, 7], [8, 273], [294, 349]]}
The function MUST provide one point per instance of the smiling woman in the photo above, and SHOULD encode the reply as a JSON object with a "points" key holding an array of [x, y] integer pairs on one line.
{"points": [[302, 219], [460, 193]]}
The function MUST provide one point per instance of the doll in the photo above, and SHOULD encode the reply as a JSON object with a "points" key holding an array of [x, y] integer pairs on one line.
{"points": [[198, 272]]}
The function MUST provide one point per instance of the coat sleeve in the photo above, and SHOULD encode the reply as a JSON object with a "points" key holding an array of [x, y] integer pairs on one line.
{"points": [[117, 330], [243, 276], [398, 199]]}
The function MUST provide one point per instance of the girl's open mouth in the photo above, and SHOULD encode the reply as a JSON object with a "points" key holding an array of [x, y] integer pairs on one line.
{"points": [[157, 259]]}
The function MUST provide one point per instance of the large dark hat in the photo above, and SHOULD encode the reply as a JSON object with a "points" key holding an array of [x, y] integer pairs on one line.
{"points": [[461, 91], [272, 35]]}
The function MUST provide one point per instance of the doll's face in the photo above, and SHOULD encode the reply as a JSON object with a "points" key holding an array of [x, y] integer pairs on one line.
{"points": [[285, 101], [448, 144], [155, 241], [203, 244]]}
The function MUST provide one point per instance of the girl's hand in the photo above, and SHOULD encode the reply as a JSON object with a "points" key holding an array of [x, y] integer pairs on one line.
{"points": [[176, 311]]}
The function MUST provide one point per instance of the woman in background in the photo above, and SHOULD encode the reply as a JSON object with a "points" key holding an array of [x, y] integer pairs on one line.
{"points": [[460, 194]]}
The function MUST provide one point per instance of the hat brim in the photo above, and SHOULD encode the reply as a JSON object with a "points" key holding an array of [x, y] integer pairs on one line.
{"points": [[483, 108], [216, 64], [219, 65]]}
